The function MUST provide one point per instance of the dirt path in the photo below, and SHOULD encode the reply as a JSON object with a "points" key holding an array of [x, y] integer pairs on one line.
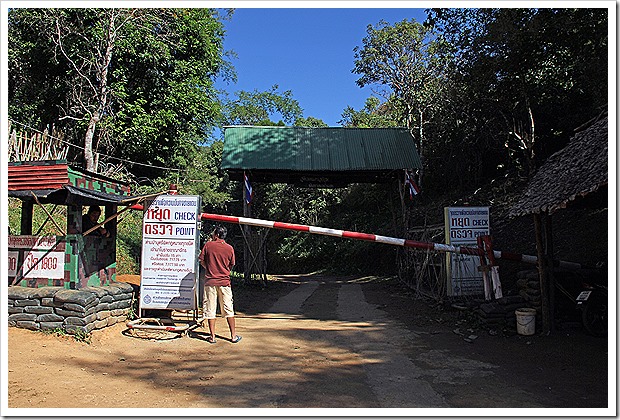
{"points": [[320, 345]]}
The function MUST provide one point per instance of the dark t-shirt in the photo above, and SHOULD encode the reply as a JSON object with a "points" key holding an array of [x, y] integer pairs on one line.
{"points": [[88, 224], [218, 258]]}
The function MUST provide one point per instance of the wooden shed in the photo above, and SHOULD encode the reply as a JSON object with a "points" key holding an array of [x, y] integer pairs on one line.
{"points": [[578, 170]]}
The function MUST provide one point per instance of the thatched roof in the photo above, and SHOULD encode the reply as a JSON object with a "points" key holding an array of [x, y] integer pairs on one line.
{"points": [[575, 171]]}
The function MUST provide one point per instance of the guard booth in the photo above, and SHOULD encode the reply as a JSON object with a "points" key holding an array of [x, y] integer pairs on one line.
{"points": [[70, 259]]}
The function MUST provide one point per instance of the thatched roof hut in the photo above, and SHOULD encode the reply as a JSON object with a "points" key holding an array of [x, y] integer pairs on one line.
{"points": [[579, 169], [575, 171]]}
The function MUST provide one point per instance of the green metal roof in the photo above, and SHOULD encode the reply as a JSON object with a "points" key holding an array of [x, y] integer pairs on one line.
{"points": [[318, 150]]}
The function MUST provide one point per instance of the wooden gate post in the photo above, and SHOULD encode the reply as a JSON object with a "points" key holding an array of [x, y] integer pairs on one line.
{"points": [[247, 212], [543, 274], [26, 219]]}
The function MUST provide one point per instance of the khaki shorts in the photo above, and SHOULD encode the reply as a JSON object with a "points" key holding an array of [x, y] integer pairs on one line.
{"points": [[211, 296]]}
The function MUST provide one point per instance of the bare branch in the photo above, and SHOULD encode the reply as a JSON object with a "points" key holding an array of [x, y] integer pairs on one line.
{"points": [[59, 43]]}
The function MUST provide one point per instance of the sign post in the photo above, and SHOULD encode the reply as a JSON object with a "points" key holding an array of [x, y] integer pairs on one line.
{"points": [[463, 227], [170, 247]]}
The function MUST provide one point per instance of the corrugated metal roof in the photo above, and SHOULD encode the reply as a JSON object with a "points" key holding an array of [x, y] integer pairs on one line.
{"points": [[318, 149], [37, 175], [55, 174]]}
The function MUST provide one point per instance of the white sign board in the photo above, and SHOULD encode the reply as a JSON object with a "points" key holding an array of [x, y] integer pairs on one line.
{"points": [[463, 227], [39, 261], [167, 297], [170, 245], [12, 256], [43, 264]]}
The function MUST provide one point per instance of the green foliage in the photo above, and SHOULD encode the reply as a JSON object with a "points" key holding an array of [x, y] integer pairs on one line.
{"points": [[203, 178], [550, 62], [165, 81], [405, 59], [258, 108], [374, 115], [310, 122], [157, 95], [485, 92], [129, 243], [134, 310], [79, 335], [14, 216], [40, 222], [408, 62], [365, 208]]}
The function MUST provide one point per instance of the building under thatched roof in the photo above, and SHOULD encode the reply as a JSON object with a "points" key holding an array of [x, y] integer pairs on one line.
{"points": [[575, 171], [579, 169]]}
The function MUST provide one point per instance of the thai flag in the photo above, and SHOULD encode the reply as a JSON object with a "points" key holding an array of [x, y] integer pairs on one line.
{"points": [[249, 193], [411, 185]]}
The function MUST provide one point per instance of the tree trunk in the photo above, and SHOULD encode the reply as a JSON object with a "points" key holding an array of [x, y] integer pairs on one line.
{"points": [[102, 96], [421, 151], [89, 158]]}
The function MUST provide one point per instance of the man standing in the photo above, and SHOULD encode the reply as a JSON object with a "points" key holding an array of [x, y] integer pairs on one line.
{"points": [[218, 258]]}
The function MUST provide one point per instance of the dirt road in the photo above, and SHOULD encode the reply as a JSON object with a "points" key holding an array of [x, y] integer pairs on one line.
{"points": [[315, 342]]}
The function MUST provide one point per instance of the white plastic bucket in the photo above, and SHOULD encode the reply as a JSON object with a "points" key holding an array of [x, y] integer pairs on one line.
{"points": [[526, 321]]}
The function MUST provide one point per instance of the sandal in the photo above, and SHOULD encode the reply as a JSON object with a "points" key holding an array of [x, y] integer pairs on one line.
{"points": [[210, 340], [236, 339]]}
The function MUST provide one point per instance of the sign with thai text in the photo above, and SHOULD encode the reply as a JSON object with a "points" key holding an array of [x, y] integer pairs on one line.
{"points": [[43, 264], [31, 242], [36, 257], [463, 227], [170, 246], [167, 297], [12, 262]]}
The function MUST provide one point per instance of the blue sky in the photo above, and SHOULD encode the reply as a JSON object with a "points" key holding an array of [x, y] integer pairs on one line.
{"points": [[306, 50]]}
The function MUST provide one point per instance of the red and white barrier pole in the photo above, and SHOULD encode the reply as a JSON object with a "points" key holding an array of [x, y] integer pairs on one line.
{"points": [[341, 234], [380, 239], [511, 256]]}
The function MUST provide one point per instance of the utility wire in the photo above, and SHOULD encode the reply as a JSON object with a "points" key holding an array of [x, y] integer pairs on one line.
{"points": [[101, 154]]}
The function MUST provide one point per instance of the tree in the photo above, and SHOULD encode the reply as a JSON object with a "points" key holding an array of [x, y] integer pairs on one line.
{"points": [[404, 59], [310, 122], [374, 115], [132, 83], [88, 49], [527, 76], [257, 108]]}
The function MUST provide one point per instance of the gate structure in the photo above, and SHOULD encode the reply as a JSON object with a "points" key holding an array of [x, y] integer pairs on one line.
{"points": [[329, 157]]}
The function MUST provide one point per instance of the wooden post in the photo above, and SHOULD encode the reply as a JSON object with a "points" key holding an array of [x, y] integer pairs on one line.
{"points": [[264, 259], [550, 274], [247, 212], [111, 209], [542, 274], [26, 219]]}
